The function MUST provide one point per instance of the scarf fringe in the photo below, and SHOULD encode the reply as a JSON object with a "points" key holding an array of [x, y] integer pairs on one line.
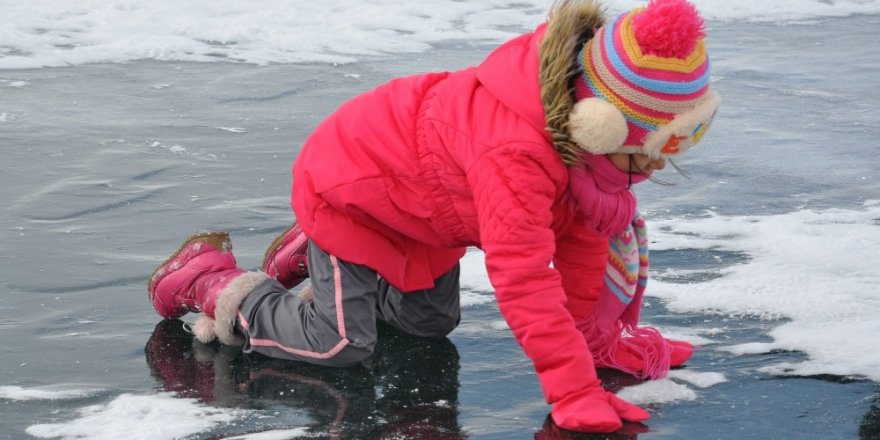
{"points": [[611, 329], [639, 351]]}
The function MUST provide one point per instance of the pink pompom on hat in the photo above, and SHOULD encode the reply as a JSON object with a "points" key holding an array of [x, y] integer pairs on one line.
{"points": [[645, 83]]}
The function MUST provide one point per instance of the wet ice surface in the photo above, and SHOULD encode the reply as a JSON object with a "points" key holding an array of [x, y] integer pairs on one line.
{"points": [[107, 167]]}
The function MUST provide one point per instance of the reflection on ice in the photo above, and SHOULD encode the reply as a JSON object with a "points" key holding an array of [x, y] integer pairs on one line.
{"points": [[407, 390]]}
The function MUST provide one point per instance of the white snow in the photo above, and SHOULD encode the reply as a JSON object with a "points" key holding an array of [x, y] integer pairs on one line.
{"points": [[817, 270], [657, 391], [59, 33], [136, 417], [43, 393]]}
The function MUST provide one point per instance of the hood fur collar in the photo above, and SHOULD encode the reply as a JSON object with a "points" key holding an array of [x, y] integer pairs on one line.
{"points": [[570, 24]]}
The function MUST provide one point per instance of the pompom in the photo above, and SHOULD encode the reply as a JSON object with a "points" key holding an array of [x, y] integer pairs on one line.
{"points": [[668, 28]]}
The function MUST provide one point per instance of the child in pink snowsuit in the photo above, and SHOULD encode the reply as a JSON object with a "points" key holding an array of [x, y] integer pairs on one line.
{"points": [[528, 156]]}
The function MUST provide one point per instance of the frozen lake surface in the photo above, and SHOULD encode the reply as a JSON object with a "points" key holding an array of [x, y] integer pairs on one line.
{"points": [[767, 256]]}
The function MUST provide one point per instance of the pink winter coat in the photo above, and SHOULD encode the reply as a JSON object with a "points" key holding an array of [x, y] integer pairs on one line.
{"points": [[403, 178]]}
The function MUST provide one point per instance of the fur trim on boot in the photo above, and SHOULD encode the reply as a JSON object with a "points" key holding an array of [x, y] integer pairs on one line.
{"points": [[307, 295], [222, 326]]}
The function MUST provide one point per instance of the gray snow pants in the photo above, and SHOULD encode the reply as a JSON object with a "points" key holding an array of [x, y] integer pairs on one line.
{"points": [[338, 327]]}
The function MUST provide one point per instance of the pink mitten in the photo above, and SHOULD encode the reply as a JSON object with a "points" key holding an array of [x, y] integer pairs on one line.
{"points": [[595, 410], [681, 352]]}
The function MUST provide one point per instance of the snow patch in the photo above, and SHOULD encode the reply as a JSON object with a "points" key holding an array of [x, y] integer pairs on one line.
{"points": [[136, 417], [47, 393], [657, 391]]}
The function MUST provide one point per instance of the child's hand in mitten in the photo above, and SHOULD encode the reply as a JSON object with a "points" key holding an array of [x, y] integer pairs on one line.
{"points": [[595, 410]]}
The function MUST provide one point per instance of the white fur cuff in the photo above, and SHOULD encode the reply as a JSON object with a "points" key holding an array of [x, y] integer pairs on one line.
{"points": [[222, 326]]}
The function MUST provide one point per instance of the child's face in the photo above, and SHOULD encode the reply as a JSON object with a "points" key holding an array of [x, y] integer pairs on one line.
{"points": [[641, 164]]}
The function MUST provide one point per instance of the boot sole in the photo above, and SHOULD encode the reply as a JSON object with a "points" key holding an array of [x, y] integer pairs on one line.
{"points": [[217, 239]]}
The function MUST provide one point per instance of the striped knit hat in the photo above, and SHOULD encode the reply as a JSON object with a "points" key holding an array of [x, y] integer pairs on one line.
{"points": [[645, 83]]}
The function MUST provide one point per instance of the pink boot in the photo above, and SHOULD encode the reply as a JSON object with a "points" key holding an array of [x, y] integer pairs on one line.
{"points": [[286, 258], [202, 276]]}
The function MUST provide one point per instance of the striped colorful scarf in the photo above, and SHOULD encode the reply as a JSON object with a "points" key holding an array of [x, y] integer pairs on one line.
{"points": [[612, 325]]}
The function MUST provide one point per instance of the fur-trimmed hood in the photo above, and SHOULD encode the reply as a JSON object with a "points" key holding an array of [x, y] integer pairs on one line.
{"points": [[542, 92], [570, 24], [510, 74]]}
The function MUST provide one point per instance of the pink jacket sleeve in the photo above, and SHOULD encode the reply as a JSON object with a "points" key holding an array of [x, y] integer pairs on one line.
{"points": [[581, 258], [514, 194]]}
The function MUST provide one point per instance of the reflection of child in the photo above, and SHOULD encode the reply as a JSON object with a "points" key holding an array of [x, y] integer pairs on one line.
{"points": [[374, 402], [529, 156]]}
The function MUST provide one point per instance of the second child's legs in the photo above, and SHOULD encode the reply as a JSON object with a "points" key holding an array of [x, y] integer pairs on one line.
{"points": [[338, 326]]}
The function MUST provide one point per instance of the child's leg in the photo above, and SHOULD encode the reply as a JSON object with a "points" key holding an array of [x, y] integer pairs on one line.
{"points": [[432, 312], [336, 328]]}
